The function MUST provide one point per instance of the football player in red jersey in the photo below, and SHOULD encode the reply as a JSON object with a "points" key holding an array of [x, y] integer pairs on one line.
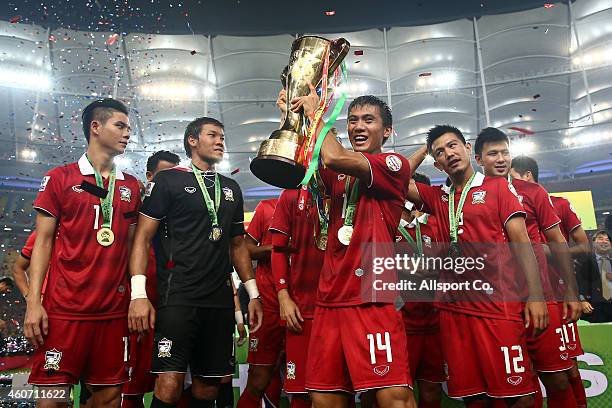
{"points": [[548, 350], [299, 237], [141, 346], [493, 215], [265, 346], [367, 190], [421, 319], [87, 213], [527, 169]]}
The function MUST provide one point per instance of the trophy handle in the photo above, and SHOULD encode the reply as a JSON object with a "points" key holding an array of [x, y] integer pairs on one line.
{"points": [[337, 52]]}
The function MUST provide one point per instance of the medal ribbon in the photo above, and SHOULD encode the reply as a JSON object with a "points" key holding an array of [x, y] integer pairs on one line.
{"points": [[453, 216], [314, 162], [351, 201], [106, 203], [418, 245], [210, 206]]}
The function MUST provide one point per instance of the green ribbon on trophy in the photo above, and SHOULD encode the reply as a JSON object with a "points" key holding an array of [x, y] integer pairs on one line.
{"points": [[346, 231], [453, 216], [215, 231], [314, 163], [418, 245], [105, 235]]}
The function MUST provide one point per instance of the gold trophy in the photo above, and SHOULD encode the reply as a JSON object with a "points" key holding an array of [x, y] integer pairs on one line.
{"points": [[277, 162]]}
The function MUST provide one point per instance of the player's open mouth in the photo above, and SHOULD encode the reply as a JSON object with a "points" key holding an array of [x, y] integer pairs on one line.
{"points": [[360, 139], [501, 168], [453, 162]]}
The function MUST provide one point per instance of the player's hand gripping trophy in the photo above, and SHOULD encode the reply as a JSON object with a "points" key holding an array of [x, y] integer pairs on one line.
{"points": [[283, 158]]}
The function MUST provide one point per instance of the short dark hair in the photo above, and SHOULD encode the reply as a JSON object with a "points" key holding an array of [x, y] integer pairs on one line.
{"points": [[101, 110], [383, 108], [523, 164], [164, 155], [421, 178], [601, 232], [195, 127], [438, 130], [489, 135], [9, 282]]}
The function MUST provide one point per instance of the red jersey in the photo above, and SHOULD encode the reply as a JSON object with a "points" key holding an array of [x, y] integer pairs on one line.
{"points": [[567, 214], [489, 204], [422, 317], [346, 278], [87, 281], [259, 230], [296, 217], [26, 251], [541, 216]]}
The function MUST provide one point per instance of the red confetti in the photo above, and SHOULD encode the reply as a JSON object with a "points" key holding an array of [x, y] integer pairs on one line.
{"points": [[358, 52], [425, 74], [330, 12], [170, 264], [15, 19], [522, 130], [52, 38], [549, 5], [193, 52], [235, 171], [112, 39]]}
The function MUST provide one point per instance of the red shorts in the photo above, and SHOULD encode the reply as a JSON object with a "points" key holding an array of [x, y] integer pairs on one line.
{"points": [[574, 347], [548, 350], [296, 351], [141, 351], [485, 356], [266, 344], [357, 348], [95, 350], [425, 357]]}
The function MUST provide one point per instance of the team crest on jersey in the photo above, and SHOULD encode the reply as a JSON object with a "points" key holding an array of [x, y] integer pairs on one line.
{"points": [[52, 359], [149, 188], [341, 177], [43, 183], [427, 241], [290, 370], [381, 370], [253, 343], [190, 190], [514, 380], [125, 193], [394, 163], [228, 193], [163, 348], [77, 188], [445, 198], [478, 197]]}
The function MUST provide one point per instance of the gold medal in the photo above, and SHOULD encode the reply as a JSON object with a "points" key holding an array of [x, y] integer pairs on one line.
{"points": [[215, 233], [105, 236], [344, 234], [322, 242]]}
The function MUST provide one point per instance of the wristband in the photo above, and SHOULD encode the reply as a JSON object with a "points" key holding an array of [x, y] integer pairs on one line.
{"points": [[138, 284], [251, 288], [238, 316]]}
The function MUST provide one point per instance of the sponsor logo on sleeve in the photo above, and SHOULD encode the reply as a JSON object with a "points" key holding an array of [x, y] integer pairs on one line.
{"points": [[394, 163], [44, 182], [149, 189]]}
